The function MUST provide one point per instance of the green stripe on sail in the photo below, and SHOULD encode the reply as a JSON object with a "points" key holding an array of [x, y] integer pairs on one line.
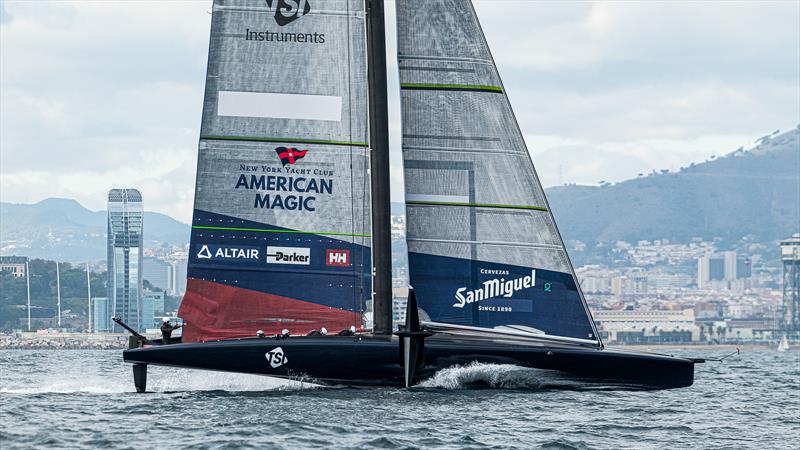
{"points": [[285, 140], [262, 230], [451, 87], [478, 205]]}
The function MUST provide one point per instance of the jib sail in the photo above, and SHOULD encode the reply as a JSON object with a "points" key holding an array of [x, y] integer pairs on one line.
{"points": [[484, 250], [281, 227]]}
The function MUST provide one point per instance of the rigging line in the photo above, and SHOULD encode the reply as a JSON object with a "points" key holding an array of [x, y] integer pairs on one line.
{"points": [[350, 135], [720, 359]]}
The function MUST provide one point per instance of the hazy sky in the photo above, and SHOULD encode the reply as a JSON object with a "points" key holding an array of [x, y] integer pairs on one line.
{"points": [[102, 94]]}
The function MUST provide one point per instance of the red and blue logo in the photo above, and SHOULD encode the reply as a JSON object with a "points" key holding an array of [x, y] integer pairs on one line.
{"points": [[290, 155]]}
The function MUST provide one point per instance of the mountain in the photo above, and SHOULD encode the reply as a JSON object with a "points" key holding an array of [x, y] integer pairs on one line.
{"points": [[62, 229], [752, 192]]}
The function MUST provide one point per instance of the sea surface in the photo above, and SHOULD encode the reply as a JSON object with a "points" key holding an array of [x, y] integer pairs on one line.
{"points": [[85, 399]]}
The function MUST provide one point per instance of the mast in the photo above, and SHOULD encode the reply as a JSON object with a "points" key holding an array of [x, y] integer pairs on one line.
{"points": [[58, 293], [379, 169], [28, 282], [89, 296]]}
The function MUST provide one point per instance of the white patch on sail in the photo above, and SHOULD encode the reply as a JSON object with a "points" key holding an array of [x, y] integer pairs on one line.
{"points": [[279, 106], [437, 198]]}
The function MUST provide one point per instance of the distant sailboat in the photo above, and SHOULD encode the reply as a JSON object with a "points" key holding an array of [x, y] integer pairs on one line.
{"points": [[291, 222], [783, 345]]}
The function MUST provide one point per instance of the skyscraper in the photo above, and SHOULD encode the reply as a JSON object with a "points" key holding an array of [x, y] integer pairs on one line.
{"points": [[152, 309], [125, 255], [730, 265], [102, 315], [709, 268], [158, 273]]}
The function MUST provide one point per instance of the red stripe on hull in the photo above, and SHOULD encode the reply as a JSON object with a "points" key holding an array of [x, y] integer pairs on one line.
{"points": [[213, 311]]}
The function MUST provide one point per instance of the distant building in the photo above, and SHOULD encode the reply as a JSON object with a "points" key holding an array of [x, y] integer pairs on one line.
{"points": [[631, 284], [744, 267], [125, 241], [101, 315], [647, 326], [152, 309], [14, 265], [709, 311], [727, 267], [730, 265], [158, 273], [716, 268], [179, 268], [790, 305], [399, 302], [709, 268]]}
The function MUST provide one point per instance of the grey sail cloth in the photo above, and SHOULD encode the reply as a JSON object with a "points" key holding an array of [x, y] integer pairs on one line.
{"points": [[317, 65], [472, 193], [282, 201]]}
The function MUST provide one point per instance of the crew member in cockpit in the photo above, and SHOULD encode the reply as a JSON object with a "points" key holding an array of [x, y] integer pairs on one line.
{"points": [[167, 329]]}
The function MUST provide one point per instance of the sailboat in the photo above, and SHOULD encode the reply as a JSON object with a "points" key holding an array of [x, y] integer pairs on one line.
{"points": [[290, 255], [783, 345]]}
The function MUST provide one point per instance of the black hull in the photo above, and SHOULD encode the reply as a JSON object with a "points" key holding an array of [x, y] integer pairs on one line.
{"points": [[376, 361]]}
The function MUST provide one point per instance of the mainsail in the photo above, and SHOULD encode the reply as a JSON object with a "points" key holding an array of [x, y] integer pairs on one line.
{"points": [[281, 227], [484, 250]]}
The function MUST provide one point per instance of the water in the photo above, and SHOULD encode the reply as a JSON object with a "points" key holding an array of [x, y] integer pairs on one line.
{"points": [[82, 399]]}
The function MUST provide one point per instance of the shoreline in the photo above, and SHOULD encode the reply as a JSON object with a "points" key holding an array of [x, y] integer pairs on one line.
{"points": [[109, 341], [63, 341], [750, 346]]}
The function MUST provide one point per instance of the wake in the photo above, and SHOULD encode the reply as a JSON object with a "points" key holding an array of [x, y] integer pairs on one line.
{"points": [[497, 376], [160, 380]]}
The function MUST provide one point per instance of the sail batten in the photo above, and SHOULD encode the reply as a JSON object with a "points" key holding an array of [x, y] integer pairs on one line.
{"points": [[290, 139], [451, 87], [484, 251]]}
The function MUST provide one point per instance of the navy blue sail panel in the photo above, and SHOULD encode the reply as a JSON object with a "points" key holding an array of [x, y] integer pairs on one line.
{"points": [[482, 294], [279, 261]]}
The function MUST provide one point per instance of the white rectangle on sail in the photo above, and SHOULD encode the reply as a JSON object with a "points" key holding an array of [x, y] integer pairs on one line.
{"points": [[437, 198], [279, 106]]}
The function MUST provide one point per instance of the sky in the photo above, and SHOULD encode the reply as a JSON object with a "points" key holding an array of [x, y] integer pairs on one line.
{"points": [[102, 94]]}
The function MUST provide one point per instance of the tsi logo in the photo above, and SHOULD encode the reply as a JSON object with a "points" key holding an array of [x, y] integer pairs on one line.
{"points": [[287, 11], [227, 253], [337, 258], [288, 255], [276, 357]]}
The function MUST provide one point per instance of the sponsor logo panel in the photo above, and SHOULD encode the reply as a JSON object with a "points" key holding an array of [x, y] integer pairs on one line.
{"points": [[337, 258], [289, 255], [288, 187], [228, 253], [276, 357], [287, 11], [499, 287], [290, 155]]}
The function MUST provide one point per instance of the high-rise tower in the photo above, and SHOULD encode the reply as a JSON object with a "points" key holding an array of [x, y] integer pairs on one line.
{"points": [[790, 257], [125, 255]]}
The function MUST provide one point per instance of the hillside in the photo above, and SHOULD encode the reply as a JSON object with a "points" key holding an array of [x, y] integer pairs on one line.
{"points": [[63, 229], [754, 192]]}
